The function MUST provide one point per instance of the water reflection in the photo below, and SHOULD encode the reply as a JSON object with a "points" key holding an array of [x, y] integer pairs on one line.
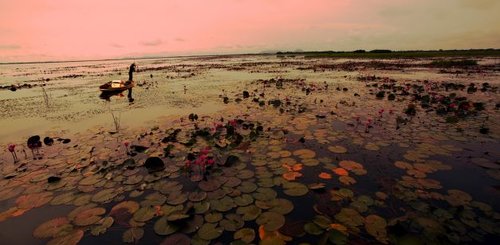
{"points": [[106, 95]]}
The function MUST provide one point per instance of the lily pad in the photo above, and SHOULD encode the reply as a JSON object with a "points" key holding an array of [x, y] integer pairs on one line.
{"points": [[376, 226], [33, 200], [164, 227], [243, 200], [197, 196], [53, 228], [337, 149], [232, 222], [71, 238], [133, 235], [304, 153], [154, 199], [295, 189], [103, 225], [281, 206], [349, 217], [90, 180], [130, 206], [209, 231], [249, 213], [223, 205], [105, 196], [313, 229], [144, 214], [88, 216], [177, 198], [65, 198], [271, 221], [210, 185], [246, 235]]}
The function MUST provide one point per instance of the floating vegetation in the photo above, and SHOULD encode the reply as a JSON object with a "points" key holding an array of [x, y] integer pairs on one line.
{"points": [[289, 163]]}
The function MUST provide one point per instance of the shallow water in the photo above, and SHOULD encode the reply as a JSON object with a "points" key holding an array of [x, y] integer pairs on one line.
{"points": [[439, 158]]}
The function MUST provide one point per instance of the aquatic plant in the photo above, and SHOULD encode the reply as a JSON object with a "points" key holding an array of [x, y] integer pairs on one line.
{"points": [[12, 150]]}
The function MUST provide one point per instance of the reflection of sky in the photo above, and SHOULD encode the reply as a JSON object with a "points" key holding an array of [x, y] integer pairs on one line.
{"points": [[44, 30]]}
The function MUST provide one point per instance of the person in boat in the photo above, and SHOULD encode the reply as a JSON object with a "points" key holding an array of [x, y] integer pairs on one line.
{"points": [[130, 79]]}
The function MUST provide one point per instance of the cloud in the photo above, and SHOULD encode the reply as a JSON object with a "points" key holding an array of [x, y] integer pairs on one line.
{"points": [[180, 39], [156, 42], [9, 46]]}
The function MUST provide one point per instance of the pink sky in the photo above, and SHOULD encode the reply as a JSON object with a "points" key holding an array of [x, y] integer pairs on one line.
{"points": [[32, 30]]}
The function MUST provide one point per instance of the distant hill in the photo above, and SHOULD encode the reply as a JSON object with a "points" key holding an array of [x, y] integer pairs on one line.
{"points": [[389, 54]]}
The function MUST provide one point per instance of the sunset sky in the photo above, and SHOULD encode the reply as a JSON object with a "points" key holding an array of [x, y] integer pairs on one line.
{"points": [[36, 30]]}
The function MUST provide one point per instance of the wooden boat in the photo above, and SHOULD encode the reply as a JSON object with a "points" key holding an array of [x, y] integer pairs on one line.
{"points": [[116, 86]]}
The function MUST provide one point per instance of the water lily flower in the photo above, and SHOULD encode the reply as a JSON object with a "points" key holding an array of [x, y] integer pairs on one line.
{"points": [[12, 148]]}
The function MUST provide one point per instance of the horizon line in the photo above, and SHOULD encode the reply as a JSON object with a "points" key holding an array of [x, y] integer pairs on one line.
{"points": [[297, 51]]}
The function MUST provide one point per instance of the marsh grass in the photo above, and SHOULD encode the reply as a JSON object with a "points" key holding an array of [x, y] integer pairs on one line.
{"points": [[46, 97]]}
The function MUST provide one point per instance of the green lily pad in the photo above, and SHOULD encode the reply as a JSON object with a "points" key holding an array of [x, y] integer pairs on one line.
{"points": [[71, 238], [264, 194], [295, 189], [232, 222], [337, 149], [33, 200], [105, 196], [232, 182], [192, 224], [103, 225], [322, 221], [177, 198], [53, 228], [90, 180], [213, 217], [197, 196], [223, 205], [210, 185], [65, 198], [177, 216], [316, 186], [134, 179], [313, 229], [349, 217], [243, 200], [144, 214], [245, 174], [201, 207], [88, 216], [376, 226], [281, 206], [130, 206], [458, 198], [249, 213], [164, 227], [57, 185], [133, 235], [338, 238], [209, 231], [271, 221], [266, 182], [168, 209], [154, 199], [247, 187], [310, 162], [246, 235]]}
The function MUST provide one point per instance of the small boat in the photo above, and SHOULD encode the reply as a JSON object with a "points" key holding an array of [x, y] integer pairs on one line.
{"points": [[116, 86]]}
